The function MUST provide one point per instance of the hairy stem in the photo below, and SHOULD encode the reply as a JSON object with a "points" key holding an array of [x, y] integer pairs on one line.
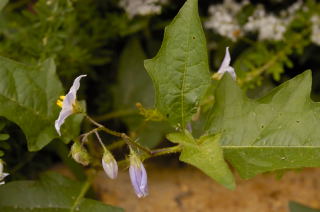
{"points": [[84, 189], [124, 136], [116, 114]]}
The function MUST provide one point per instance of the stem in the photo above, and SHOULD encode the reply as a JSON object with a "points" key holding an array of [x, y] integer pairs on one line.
{"points": [[156, 153], [116, 145], [124, 136], [258, 71], [166, 150], [29, 156], [84, 189], [116, 114], [100, 141]]}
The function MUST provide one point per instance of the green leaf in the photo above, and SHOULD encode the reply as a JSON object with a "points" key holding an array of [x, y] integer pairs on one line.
{"points": [[3, 3], [205, 154], [180, 71], [4, 137], [52, 192], [296, 207], [134, 85], [278, 131], [28, 98]]}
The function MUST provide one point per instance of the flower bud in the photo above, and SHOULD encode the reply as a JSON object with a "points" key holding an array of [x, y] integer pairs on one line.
{"points": [[138, 176], [2, 174], [109, 164], [80, 154]]}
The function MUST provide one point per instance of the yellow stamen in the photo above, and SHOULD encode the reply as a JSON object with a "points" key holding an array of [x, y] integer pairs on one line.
{"points": [[62, 97], [59, 103], [217, 76]]}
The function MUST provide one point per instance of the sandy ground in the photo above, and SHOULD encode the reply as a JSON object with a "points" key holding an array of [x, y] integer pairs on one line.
{"points": [[187, 189]]}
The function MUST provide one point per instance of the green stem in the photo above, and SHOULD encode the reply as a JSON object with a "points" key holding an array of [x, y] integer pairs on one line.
{"points": [[29, 156], [84, 189], [124, 136], [260, 70], [116, 114], [155, 153], [100, 141], [116, 145]]}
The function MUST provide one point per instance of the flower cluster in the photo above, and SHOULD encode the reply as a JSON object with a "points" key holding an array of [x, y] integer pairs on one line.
{"points": [[315, 35], [223, 20], [268, 26], [142, 7], [80, 154]]}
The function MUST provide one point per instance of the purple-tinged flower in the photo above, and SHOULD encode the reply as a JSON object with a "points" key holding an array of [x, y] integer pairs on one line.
{"points": [[138, 176], [68, 103], [109, 164], [2, 174], [225, 66]]}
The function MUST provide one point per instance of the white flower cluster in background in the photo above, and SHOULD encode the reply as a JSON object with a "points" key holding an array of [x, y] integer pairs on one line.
{"points": [[223, 19], [142, 7], [268, 26], [315, 35]]}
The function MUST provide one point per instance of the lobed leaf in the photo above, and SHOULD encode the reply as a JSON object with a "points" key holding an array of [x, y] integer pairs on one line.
{"points": [[180, 71], [206, 154], [278, 131]]}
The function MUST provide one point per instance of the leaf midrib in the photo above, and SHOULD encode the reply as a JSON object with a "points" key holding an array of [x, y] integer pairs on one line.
{"points": [[184, 75]]}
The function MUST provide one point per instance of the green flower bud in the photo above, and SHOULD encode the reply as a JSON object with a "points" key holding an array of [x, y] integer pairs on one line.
{"points": [[80, 154]]}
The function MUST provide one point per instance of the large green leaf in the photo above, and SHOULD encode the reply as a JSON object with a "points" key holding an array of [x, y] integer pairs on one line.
{"points": [[52, 192], [28, 97], [278, 131], [134, 85], [180, 71], [206, 154]]}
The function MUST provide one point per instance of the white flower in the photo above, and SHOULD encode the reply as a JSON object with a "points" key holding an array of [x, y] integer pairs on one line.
{"points": [[109, 164], [223, 19], [142, 7], [315, 35], [2, 174], [68, 104], [268, 26], [225, 65]]}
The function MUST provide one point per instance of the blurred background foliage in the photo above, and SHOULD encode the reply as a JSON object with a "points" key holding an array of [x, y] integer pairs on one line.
{"points": [[108, 40]]}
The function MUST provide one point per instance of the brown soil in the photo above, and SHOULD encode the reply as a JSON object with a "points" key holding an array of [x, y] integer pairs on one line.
{"points": [[187, 189]]}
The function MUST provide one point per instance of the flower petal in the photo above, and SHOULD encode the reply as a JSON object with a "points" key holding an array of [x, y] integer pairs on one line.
{"points": [[144, 181], [67, 104], [225, 65], [135, 177], [76, 84], [110, 168], [65, 112]]}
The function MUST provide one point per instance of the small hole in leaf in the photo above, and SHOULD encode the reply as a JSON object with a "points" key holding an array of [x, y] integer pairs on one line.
{"points": [[193, 37], [262, 126], [167, 115], [298, 121]]}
